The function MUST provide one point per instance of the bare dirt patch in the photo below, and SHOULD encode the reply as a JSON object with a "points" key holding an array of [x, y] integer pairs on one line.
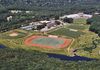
{"points": [[13, 34]]}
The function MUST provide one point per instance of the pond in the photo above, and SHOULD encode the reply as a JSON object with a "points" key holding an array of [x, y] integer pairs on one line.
{"points": [[2, 46], [64, 57], [69, 58]]}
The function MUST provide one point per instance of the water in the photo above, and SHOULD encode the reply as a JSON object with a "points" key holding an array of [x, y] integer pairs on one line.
{"points": [[2, 46], [74, 58], [64, 57]]}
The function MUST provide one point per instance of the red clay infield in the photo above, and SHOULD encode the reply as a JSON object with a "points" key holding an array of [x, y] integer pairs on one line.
{"points": [[29, 40]]}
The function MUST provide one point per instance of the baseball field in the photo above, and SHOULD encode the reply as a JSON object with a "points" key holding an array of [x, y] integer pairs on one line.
{"points": [[47, 42]]}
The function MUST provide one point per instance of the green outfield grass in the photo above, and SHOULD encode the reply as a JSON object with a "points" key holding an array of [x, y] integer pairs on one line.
{"points": [[78, 27], [67, 32], [6, 35], [80, 21]]}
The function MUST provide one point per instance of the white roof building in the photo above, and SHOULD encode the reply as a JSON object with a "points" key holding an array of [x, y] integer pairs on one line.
{"points": [[9, 18], [45, 21], [76, 16], [28, 11], [15, 11]]}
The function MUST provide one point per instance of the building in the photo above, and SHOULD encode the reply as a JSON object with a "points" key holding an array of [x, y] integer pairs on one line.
{"points": [[51, 23], [76, 16], [97, 13], [32, 25], [45, 21], [15, 11], [28, 12], [9, 18], [27, 27]]}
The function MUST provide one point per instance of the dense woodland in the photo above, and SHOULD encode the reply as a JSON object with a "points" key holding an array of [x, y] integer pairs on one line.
{"points": [[94, 24], [42, 9], [19, 59], [51, 6]]}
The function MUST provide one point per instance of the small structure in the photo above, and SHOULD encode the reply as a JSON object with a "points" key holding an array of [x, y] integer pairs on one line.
{"points": [[45, 21], [44, 29], [32, 25], [28, 12], [9, 18], [97, 13], [27, 27], [15, 11], [51, 24]]}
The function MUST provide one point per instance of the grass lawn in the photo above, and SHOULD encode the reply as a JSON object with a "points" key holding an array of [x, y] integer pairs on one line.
{"points": [[78, 27], [20, 34], [80, 21], [67, 32]]}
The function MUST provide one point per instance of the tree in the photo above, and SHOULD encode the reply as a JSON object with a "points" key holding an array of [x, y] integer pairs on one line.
{"points": [[69, 20]]}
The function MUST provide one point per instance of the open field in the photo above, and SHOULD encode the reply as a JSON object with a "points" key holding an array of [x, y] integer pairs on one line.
{"points": [[78, 27], [80, 21], [67, 32], [13, 34]]}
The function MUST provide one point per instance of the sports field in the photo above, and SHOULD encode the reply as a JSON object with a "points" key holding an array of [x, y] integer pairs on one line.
{"points": [[78, 27], [13, 34], [67, 32], [79, 21], [47, 42]]}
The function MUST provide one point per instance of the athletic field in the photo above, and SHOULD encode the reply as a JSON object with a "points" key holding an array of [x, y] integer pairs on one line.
{"points": [[47, 42], [13, 34]]}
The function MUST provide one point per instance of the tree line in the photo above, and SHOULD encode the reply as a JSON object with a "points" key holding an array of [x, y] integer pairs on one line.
{"points": [[94, 24], [42, 9], [20, 59]]}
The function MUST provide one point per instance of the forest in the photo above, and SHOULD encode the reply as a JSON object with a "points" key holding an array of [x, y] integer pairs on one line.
{"points": [[19, 59], [53, 6], [42, 9], [94, 24]]}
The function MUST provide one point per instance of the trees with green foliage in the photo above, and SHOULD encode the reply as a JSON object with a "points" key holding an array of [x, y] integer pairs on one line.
{"points": [[95, 24], [19, 59], [69, 20], [43, 10]]}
